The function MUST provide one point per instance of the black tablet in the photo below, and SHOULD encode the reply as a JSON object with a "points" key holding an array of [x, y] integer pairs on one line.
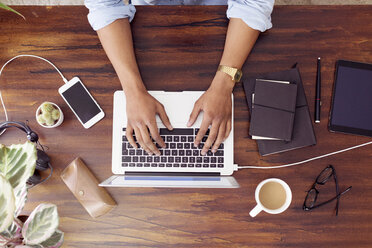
{"points": [[351, 110]]}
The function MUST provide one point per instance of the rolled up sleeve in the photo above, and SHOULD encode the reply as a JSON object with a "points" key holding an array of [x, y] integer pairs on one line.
{"points": [[255, 13], [104, 12]]}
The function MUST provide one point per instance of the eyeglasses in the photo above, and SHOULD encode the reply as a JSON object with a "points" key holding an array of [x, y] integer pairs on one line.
{"points": [[321, 179]]}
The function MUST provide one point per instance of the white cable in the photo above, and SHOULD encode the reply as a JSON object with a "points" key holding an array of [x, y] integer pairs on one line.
{"points": [[38, 57], [307, 160], [25, 55]]}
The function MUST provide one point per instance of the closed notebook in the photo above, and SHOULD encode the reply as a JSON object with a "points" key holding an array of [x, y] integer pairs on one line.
{"points": [[303, 132], [273, 110]]}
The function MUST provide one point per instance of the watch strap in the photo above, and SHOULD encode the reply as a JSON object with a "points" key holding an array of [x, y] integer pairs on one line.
{"points": [[235, 73]]}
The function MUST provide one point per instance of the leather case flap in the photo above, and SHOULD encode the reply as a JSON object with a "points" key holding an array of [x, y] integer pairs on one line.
{"points": [[84, 185]]}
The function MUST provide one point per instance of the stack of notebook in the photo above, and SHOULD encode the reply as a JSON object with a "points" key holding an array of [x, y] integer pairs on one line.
{"points": [[280, 118]]}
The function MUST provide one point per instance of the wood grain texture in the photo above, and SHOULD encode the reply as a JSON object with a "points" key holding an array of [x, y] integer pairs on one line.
{"points": [[178, 48]]}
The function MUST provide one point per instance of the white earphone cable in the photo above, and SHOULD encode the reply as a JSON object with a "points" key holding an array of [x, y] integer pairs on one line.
{"points": [[305, 161], [18, 56]]}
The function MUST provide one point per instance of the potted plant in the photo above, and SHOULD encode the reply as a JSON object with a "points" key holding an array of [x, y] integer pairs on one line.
{"points": [[17, 164], [49, 115]]}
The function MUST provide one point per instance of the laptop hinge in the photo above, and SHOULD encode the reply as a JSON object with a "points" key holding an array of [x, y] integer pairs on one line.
{"points": [[193, 174]]}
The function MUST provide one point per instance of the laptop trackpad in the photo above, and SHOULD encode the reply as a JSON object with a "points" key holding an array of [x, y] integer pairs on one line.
{"points": [[178, 106]]}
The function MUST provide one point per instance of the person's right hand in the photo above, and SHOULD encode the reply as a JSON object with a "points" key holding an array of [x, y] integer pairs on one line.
{"points": [[141, 111]]}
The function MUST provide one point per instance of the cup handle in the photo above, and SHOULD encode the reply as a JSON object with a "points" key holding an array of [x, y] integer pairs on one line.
{"points": [[257, 209]]}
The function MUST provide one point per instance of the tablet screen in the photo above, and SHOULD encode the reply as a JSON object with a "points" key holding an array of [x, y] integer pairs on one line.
{"points": [[352, 100]]}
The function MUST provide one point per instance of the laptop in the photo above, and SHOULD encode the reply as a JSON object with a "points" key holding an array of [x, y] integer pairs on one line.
{"points": [[180, 163]]}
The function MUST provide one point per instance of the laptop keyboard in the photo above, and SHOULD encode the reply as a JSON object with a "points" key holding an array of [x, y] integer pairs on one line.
{"points": [[179, 152]]}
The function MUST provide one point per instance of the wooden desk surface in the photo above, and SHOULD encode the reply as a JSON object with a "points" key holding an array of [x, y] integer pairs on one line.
{"points": [[178, 48]]}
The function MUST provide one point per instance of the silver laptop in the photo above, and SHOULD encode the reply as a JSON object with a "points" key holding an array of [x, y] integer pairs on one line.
{"points": [[180, 163]]}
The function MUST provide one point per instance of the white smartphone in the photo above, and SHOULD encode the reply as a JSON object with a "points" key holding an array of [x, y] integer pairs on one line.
{"points": [[81, 102]]}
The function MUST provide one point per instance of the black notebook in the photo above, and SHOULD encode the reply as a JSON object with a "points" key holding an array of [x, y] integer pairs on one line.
{"points": [[273, 111], [303, 132]]}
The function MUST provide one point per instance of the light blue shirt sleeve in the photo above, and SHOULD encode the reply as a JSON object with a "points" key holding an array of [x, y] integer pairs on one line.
{"points": [[104, 12], [255, 13]]}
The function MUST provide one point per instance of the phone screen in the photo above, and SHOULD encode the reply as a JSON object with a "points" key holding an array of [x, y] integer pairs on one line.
{"points": [[81, 102]]}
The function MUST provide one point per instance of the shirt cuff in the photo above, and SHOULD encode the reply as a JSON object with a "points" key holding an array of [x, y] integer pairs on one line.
{"points": [[100, 18], [254, 15]]}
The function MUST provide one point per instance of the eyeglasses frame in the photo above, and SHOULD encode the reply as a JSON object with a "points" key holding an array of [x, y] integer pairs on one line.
{"points": [[313, 187]]}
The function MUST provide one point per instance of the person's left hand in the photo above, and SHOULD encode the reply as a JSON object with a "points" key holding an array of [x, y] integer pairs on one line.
{"points": [[217, 106]]}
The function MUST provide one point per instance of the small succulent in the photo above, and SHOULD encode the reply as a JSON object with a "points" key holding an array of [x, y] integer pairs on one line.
{"points": [[48, 115], [55, 114]]}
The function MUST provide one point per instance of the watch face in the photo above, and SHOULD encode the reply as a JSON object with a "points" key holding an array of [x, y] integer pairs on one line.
{"points": [[238, 76]]}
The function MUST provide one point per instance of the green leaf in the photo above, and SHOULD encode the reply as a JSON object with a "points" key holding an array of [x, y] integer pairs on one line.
{"points": [[7, 204], [41, 224], [54, 241], [3, 6], [12, 234], [14, 229], [20, 200], [17, 164]]}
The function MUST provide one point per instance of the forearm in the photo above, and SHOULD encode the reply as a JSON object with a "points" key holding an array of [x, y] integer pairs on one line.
{"points": [[141, 107], [117, 42], [240, 39]]}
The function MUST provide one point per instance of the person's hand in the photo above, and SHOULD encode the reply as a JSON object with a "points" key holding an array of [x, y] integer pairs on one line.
{"points": [[141, 111], [217, 106]]}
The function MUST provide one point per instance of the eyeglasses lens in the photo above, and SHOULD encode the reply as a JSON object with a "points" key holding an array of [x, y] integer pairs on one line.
{"points": [[324, 176], [310, 199]]}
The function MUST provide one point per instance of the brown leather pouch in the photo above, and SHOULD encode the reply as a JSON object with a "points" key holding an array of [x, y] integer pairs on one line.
{"points": [[84, 185]]}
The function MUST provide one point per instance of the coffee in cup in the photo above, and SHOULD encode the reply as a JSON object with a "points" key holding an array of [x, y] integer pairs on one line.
{"points": [[272, 196]]}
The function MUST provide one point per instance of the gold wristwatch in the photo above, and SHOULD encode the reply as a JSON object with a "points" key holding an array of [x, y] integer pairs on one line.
{"points": [[235, 73]]}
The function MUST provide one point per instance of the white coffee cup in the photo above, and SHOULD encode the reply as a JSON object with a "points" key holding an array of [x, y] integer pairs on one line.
{"points": [[259, 207]]}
